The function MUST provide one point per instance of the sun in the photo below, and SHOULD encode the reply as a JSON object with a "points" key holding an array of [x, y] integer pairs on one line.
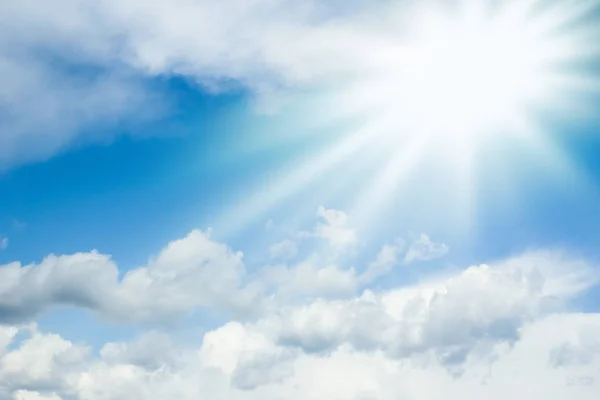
{"points": [[469, 72], [467, 75]]}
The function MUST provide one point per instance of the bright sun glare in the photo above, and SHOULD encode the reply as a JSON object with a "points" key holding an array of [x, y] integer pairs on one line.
{"points": [[452, 78], [476, 71], [467, 75]]}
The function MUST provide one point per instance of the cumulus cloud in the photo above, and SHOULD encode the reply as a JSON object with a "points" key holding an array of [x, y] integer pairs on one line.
{"points": [[307, 330], [469, 317], [190, 272], [228, 363], [311, 277], [151, 351], [248, 356], [451, 319], [333, 227], [325, 271], [42, 362], [583, 345], [196, 272], [323, 276]]}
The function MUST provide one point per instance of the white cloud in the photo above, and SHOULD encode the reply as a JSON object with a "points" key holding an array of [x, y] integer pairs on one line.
{"points": [[33, 395], [228, 364], [324, 276], [311, 277], [332, 226], [3, 243], [189, 273], [450, 319], [424, 249], [7, 334], [114, 45], [582, 346], [285, 250], [151, 351], [386, 259], [62, 83], [324, 272], [483, 332], [41, 362], [247, 356], [45, 110]]}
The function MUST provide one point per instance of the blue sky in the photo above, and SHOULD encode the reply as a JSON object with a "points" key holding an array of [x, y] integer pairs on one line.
{"points": [[263, 199]]}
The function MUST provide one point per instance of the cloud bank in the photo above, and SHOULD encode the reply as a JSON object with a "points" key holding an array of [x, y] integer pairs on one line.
{"points": [[304, 329]]}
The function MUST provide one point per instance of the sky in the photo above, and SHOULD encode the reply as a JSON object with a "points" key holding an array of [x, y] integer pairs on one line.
{"points": [[267, 199]]}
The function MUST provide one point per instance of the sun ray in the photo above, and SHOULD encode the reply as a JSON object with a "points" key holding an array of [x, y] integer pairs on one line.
{"points": [[292, 181], [369, 205], [453, 80]]}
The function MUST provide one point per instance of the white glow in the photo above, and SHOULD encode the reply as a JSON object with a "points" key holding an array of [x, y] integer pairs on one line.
{"points": [[470, 71], [465, 76], [455, 78], [441, 79]]}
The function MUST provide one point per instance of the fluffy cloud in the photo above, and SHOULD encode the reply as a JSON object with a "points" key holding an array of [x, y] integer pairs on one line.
{"points": [[450, 319], [332, 226], [237, 362], [151, 351], [328, 274], [304, 330], [582, 347], [190, 272], [325, 272], [42, 362], [249, 357], [311, 277]]}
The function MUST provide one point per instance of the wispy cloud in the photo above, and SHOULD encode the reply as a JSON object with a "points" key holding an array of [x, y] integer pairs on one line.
{"points": [[424, 249], [285, 249]]}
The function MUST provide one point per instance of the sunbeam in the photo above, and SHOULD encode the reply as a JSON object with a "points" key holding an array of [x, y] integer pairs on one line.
{"points": [[451, 79], [392, 176], [292, 181]]}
